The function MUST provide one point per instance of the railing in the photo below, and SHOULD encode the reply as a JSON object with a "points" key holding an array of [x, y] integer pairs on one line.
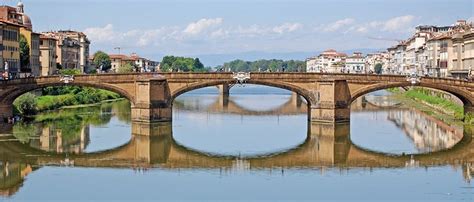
{"points": [[100, 78]]}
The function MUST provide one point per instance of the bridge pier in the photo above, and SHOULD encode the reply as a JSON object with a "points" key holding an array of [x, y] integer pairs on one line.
{"points": [[223, 100], [332, 105], [6, 129], [333, 142], [151, 129], [152, 101], [224, 89], [151, 142], [6, 110], [296, 99]]}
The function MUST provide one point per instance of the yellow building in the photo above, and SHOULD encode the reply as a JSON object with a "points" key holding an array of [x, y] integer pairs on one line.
{"points": [[10, 56], [14, 22], [33, 41], [118, 61]]}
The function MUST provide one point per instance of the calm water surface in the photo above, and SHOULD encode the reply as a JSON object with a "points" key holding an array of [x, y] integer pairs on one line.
{"points": [[254, 145]]}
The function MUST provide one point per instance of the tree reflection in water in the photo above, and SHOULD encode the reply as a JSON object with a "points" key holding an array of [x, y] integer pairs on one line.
{"points": [[67, 130]]}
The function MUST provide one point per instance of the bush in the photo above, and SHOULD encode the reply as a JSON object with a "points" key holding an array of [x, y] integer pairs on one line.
{"points": [[469, 118], [126, 68], [26, 104], [425, 95], [56, 97], [69, 72]]}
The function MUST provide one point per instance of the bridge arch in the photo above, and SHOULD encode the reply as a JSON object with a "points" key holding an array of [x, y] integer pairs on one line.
{"points": [[463, 95], [293, 88], [11, 94]]}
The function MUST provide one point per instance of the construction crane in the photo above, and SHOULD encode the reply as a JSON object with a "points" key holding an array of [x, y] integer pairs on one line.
{"points": [[119, 49]]}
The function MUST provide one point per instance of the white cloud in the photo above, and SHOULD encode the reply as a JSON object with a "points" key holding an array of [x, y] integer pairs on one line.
{"points": [[287, 27], [250, 31], [212, 34], [398, 23], [202, 25], [220, 33], [101, 34], [339, 24]]}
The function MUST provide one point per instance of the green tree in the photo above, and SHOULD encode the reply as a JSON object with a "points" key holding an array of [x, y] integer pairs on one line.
{"points": [[264, 65], [102, 59], [69, 72], [26, 104], [24, 54], [378, 68], [166, 63], [180, 65], [183, 64], [197, 65], [126, 68], [59, 66]]}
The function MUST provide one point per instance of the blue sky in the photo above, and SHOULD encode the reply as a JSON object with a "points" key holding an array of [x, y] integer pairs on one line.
{"points": [[193, 27]]}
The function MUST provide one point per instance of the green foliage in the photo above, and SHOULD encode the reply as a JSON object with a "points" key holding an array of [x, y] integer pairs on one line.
{"points": [[70, 122], [57, 97], [69, 72], [102, 59], [197, 65], [76, 97], [469, 118], [264, 65], [61, 90], [378, 68], [182, 64], [26, 104], [24, 131], [394, 90], [24, 54], [425, 95], [126, 68]]}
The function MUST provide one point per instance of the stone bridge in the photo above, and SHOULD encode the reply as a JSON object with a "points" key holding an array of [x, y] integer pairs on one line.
{"points": [[328, 96]]}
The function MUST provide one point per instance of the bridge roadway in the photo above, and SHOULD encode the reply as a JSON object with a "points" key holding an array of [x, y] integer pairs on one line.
{"points": [[328, 96]]}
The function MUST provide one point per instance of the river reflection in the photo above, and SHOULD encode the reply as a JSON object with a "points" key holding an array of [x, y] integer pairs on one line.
{"points": [[68, 130], [193, 150]]}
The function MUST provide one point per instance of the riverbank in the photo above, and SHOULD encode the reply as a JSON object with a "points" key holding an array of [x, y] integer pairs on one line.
{"points": [[61, 97], [439, 107]]}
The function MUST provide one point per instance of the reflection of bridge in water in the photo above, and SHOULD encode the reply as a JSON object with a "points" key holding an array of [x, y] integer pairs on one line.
{"points": [[294, 106], [153, 146]]}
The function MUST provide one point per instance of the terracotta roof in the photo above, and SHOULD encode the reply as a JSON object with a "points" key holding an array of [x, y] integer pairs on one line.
{"points": [[11, 23], [332, 52], [120, 56], [42, 36]]}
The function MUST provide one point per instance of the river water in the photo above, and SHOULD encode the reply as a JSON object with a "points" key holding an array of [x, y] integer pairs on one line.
{"points": [[254, 145]]}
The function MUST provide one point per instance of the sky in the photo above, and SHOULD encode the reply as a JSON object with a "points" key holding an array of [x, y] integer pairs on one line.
{"points": [[153, 28]]}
